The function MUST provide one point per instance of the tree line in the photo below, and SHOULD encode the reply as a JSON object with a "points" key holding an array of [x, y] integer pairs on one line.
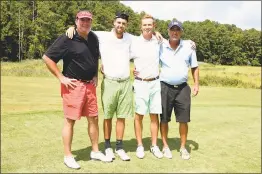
{"points": [[29, 27]]}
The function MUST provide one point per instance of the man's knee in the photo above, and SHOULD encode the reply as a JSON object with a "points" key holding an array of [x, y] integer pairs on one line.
{"points": [[69, 122], [92, 120], [121, 120], [139, 117]]}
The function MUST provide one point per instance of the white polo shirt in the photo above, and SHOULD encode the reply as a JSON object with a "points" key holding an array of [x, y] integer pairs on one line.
{"points": [[115, 53], [146, 56]]}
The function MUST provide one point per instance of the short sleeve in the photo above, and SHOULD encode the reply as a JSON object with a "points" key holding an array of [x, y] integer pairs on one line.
{"points": [[58, 49], [193, 60]]}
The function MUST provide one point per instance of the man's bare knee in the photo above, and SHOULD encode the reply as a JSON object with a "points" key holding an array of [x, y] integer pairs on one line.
{"points": [[92, 120], [69, 122]]}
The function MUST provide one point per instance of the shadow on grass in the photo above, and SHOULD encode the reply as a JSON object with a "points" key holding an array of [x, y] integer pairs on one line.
{"points": [[174, 144], [130, 146]]}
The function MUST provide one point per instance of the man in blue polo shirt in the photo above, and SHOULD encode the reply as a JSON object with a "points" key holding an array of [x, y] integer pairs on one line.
{"points": [[176, 57]]}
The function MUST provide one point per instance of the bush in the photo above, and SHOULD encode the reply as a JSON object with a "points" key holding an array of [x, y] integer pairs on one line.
{"points": [[212, 80]]}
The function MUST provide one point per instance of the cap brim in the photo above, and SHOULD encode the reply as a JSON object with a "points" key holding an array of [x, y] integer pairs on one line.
{"points": [[85, 17], [177, 26]]}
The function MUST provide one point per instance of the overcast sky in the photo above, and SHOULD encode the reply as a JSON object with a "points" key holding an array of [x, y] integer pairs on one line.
{"points": [[244, 14]]}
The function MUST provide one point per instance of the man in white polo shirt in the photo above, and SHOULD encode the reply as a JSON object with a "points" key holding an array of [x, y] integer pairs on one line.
{"points": [[176, 57], [145, 51]]}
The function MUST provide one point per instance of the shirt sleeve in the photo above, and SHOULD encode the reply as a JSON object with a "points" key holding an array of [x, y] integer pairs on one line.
{"points": [[132, 49], [132, 37], [100, 34], [160, 53], [193, 60], [58, 49]]}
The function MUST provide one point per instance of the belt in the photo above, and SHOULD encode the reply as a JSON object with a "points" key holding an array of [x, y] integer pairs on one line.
{"points": [[81, 80], [147, 80], [116, 78], [85, 81], [180, 86]]}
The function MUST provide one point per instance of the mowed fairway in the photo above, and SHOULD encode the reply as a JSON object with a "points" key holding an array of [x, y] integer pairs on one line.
{"points": [[224, 133]]}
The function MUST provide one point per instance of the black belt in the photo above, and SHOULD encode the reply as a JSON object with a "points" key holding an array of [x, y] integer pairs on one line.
{"points": [[147, 80], [81, 80], [85, 81], [180, 86]]}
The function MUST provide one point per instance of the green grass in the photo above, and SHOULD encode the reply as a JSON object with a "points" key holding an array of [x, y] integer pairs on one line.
{"points": [[210, 75], [224, 133]]}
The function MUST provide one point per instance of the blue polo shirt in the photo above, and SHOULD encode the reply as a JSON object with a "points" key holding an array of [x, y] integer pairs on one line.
{"points": [[175, 63]]}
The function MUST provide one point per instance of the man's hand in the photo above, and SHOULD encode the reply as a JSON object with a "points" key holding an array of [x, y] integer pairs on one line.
{"points": [[135, 73], [70, 32], [159, 37], [195, 90], [102, 69], [94, 81], [69, 83], [193, 45]]}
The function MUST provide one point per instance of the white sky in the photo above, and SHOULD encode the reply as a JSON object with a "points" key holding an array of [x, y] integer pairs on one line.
{"points": [[244, 14]]}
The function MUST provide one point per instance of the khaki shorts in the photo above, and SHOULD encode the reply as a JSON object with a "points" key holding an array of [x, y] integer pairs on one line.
{"points": [[81, 101], [117, 98]]}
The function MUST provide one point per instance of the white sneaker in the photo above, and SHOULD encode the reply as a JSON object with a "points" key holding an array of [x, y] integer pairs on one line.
{"points": [[167, 153], [70, 162], [99, 156], [140, 152], [184, 154], [122, 154], [156, 151], [109, 153]]}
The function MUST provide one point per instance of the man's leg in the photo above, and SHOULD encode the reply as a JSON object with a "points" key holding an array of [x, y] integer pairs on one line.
{"points": [[182, 111], [183, 130], [107, 127], [120, 128], [67, 135], [138, 125], [109, 91], [154, 126], [164, 133], [167, 98], [124, 110], [93, 132], [107, 135]]}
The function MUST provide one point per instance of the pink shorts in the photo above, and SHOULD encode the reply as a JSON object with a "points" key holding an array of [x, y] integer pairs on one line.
{"points": [[81, 101]]}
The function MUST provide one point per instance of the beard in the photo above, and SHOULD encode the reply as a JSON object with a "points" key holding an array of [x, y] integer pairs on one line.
{"points": [[119, 31]]}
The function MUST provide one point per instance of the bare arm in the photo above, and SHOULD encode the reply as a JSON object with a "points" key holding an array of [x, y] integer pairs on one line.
{"points": [[52, 66], [195, 74]]}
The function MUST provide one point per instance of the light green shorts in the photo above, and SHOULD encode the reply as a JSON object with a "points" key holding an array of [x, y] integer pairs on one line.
{"points": [[117, 98], [147, 97]]}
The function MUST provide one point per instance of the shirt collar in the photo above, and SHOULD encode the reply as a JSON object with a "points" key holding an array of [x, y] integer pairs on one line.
{"points": [[77, 37], [167, 44], [152, 39]]}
